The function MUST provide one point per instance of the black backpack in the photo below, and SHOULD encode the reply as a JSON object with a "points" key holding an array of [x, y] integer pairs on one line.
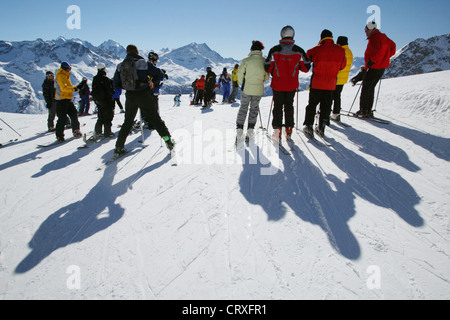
{"points": [[128, 74]]}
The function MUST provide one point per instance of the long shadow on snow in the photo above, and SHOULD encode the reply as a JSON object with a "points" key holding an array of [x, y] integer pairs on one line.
{"points": [[380, 186], [80, 220], [63, 162], [438, 146], [378, 148], [303, 188]]}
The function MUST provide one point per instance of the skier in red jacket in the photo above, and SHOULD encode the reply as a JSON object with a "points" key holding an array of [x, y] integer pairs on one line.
{"points": [[377, 57], [284, 63], [327, 59]]}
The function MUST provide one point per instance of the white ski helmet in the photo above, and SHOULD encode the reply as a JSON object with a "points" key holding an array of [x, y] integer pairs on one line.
{"points": [[101, 66], [287, 32], [371, 25]]}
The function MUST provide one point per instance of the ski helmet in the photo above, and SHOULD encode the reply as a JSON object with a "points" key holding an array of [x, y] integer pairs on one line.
{"points": [[371, 25], [101, 66], [65, 66], [287, 32], [152, 56]]}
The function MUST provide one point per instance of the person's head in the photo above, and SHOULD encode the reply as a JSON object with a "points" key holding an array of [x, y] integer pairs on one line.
{"points": [[370, 28], [208, 69], [287, 32], [326, 34], [257, 45], [101, 67], [153, 57], [342, 41], [131, 48], [65, 66], [50, 75], [236, 66]]}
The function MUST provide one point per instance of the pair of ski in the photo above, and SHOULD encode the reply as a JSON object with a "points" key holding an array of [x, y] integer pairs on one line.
{"points": [[91, 140], [277, 144], [373, 119], [8, 143], [116, 157], [54, 143], [321, 141]]}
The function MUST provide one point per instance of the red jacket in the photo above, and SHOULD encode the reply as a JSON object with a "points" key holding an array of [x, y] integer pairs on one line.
{"points": [[379, 51], [200, 83], [284, 62], [327, 58]]}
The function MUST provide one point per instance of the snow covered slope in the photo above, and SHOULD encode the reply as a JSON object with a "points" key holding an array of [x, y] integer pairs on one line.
{"points": [[365, 219]]}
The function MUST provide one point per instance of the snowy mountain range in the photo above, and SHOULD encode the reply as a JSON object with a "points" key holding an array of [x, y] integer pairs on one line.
{"points": [[23, 65], [421, 56]]}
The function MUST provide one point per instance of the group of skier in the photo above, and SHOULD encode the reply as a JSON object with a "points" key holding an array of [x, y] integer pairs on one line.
{"points": [[141, 79], [204, 88], [330, 63]]}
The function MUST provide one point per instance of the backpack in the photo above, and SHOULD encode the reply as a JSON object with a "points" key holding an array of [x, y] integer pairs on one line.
{"points": [[128, 74]]}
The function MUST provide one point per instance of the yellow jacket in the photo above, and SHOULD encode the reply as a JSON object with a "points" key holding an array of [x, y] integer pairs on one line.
{"points": [[342, 76], [234, 74], [64, 87]]}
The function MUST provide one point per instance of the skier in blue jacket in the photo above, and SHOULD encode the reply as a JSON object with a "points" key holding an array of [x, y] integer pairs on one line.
{"points": [[225, 81]]}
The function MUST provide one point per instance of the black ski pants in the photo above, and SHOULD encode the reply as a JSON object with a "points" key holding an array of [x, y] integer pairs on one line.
{"points": [[368, 90], [337, 99], [105, 116], [144, 101], [66, 108], [316, 96], [283, 103]]}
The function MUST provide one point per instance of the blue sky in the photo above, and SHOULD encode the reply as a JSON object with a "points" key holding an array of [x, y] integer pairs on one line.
{"points": [[228, 27]]}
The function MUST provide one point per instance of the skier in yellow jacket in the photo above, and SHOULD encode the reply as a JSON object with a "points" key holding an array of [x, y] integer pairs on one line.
{"points": [[234, 84], [64, 104], [342, 78]]}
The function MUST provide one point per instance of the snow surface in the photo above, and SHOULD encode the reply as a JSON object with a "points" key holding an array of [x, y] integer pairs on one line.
{"points": [[366, 219]]}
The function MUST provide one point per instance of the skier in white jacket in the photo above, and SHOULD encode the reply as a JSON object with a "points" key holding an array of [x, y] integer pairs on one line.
{"points": [[252, 75]]}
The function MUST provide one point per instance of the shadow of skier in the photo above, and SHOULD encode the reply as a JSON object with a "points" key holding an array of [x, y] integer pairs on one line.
{"points": [[302, 188], [80, 220]]}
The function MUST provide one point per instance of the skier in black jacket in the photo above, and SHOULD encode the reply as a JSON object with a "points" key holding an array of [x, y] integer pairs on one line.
{"points": [[48, 90], [210, 85], [102, 93], [140, 97]]}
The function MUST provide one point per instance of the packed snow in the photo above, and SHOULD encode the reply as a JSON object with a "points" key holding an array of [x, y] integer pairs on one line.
{"points": [[367, 218]]}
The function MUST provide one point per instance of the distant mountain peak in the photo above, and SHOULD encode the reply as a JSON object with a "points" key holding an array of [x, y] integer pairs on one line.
{"points": [[421, 56]]}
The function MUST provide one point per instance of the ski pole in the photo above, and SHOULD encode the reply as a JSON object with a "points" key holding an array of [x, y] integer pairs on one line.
{"points": [[270, 112], [260, 119], [10, 127], [142, 127], [378, 94], [350, 111], [362, 82], [296, 120]]}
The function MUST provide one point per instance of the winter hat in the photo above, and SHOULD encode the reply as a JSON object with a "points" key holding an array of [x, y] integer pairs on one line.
{"points": [[65, 66], [342, 41], [49, 73], [371, 25], [257, 45], [101, 66], [326, 34], [152, 56], [224, 70], [287, 32]]}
